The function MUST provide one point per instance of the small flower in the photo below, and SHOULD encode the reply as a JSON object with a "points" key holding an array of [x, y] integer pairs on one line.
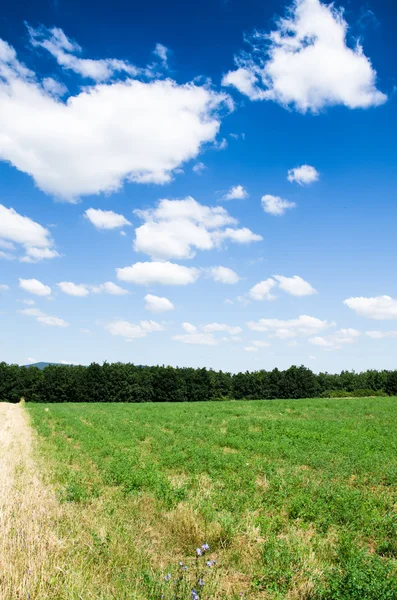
{"points": [[184, 568], [167, 577], [205, 547], [198, 551], [201, 582], [209, 563], [180, 563], [195, 595]]}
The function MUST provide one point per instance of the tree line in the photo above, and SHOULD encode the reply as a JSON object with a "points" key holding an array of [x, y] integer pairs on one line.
{"points": [[120, 382]]}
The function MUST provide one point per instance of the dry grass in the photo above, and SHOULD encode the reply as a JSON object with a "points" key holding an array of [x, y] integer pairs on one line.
{"points": [[29, 546]]}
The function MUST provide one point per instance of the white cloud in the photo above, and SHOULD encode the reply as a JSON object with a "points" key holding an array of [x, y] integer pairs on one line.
{"points": [[216, 327], [199, 168], [261, 344], [131, 331], [29, 302], [34, 286], [108, 288], [52, 321], [165, 273], [237, 192], [157, 304], [304, 326], [224, 275], [64, 50], [43, 318], [240, 236], [296, 286], [105, 134], [337, 340], [31, 312], [84, 289], [6, 255], [303, 175], [274, 205], [73, 289], [189, 328], [379, 335], [105, 219], [177, 228], [379, 307], [306, 63], [18, 229], [162, 52], [198, 339], [256, 345], [4, 287], [261, 291]]}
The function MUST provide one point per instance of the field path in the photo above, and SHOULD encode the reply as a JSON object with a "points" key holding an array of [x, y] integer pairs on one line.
{"points": [[28, 512]]}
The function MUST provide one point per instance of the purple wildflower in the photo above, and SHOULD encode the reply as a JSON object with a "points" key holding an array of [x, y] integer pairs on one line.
{"points": [[167, 577], [205, 547], [201, 582], [198, 551], [195, 595]]}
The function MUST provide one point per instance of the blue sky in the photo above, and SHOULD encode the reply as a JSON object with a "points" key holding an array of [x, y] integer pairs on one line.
{"points": [[199, 185]]}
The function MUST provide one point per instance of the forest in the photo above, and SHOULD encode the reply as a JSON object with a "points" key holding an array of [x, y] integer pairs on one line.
{"points": [[125, 382]]}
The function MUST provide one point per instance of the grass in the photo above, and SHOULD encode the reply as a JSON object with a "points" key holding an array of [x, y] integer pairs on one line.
{"points": [[297, 499]]}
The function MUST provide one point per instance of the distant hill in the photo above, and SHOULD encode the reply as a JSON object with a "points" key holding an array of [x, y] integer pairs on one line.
{"points": [[42, 365]]}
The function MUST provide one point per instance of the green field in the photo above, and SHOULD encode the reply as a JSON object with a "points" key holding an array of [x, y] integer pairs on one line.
{"points": [[296, 499]]}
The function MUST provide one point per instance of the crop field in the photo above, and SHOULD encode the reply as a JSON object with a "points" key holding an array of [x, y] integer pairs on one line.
{"points": [[296, 499]]}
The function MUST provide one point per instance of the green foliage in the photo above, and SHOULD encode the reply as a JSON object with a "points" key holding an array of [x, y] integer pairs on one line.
{"points": [[361, 393], [120, 382]]}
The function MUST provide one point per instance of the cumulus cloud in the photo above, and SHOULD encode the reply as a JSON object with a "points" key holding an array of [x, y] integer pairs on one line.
{"points": [[274, 205], [43, 318], [165, 273], [197, 339], [105, 134], [204, 335], [262, 290], [199, 168], [84, 289], [73, 289], [158, 304], [256, 346], [34, 286], [296, 286], [237, 192], [105, 219], [306, 63], [224, 275], [108, 288], [337, 340], [379, 335], [35, 239], [379, 307], [216, 327], [303, 326], [177, 228], [4, 287], [303, 175], [131, 331]]}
